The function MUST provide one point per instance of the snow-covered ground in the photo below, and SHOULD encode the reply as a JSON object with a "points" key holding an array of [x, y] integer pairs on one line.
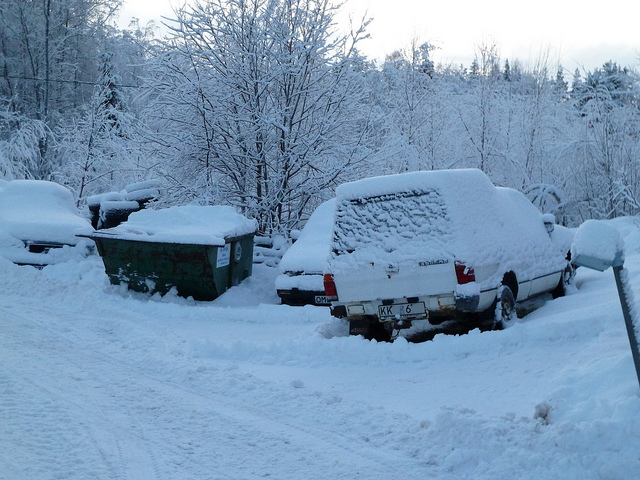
{"points": [[100, 383]]}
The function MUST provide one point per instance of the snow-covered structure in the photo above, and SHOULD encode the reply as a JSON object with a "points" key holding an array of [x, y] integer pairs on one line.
{"points": [[435, 243]]}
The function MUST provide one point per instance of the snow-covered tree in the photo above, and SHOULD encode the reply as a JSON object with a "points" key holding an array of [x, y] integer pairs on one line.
{"points": [[480, 115], [266, 105], [98, 151], [417, 110], [48, 57], [20, 138]]}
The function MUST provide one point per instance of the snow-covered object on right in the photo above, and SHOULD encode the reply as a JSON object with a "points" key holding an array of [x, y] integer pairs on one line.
{"points": [[597, 245]]}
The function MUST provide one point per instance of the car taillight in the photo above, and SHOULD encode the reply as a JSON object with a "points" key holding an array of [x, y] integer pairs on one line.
{"points": [[330, 287], [464, 274]]}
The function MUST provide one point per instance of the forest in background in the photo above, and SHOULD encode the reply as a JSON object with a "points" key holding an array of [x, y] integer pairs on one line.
{"points": [[267, 106]]}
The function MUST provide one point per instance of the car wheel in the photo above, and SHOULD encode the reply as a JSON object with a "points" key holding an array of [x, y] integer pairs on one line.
{"points": [[505, 308], [380, 332], [371, 329]]}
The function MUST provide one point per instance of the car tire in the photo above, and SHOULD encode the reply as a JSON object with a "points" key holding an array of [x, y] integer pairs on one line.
{"points": [[371, 329], [504, 309], [380, 332]]}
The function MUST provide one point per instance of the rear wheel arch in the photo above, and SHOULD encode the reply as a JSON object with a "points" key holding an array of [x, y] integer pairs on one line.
{"points": [[510, 280]]}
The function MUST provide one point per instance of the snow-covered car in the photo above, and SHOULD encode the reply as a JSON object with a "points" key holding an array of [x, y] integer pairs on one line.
{"points": [[430, 246], [37, 216], [304, 263]]}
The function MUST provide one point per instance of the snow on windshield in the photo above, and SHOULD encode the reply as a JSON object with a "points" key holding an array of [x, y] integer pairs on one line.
{"points": [[40, 211], [208, 225]]}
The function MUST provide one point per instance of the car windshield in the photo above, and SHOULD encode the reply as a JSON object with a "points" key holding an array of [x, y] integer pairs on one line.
{"points": [[414, 223]]}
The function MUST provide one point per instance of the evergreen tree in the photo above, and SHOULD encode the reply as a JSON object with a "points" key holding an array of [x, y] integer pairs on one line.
{"points": [[507, 71], [560, 86]]}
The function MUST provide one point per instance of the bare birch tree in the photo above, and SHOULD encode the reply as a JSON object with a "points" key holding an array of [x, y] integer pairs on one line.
{"points": [[267, 103]]}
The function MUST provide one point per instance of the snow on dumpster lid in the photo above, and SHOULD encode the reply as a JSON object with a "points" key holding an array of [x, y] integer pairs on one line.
{"points": [[206, 225], [40, 211]]}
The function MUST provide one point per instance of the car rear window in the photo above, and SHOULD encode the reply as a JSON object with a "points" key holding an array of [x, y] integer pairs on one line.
{"points": [[392, 227]]}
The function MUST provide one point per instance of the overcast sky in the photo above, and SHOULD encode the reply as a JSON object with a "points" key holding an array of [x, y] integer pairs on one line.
{"points": [[576, 34]]}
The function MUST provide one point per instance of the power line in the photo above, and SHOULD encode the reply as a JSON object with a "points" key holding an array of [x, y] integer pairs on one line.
{"points": [[77, 82]]}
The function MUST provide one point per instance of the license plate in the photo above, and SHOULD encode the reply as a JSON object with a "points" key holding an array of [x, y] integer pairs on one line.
{"points": [[402, 311], [322, 300]]}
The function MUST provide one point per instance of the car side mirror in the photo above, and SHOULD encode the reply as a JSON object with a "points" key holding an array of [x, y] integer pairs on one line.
{"points": [[549, 220]]}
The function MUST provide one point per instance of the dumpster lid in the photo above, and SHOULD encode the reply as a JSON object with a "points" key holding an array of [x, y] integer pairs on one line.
{"points": [[206, 225]]}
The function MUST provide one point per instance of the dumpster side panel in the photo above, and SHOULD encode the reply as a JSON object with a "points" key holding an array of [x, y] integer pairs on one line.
{"points": [[242, 259], [233, 263], [219, 260], [157, 267]]}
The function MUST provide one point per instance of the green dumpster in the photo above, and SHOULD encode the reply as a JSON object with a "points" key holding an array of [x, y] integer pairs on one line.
{"points": [[199, 251]]}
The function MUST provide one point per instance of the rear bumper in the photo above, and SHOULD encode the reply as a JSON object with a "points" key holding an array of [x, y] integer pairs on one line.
{"points": [[296, 297], [436, 308]]}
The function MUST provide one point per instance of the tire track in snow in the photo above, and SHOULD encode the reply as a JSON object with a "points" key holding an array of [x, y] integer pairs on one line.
{"points": [[250, 422]]}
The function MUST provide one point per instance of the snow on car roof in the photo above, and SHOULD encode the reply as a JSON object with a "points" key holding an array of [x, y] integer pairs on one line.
{"points": [[207, 225], [311, 251], [40, 211], [437, 215], [459, 181]]}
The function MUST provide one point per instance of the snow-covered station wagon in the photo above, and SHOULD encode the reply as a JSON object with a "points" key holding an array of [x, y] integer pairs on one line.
{"points": [[437, 245]]}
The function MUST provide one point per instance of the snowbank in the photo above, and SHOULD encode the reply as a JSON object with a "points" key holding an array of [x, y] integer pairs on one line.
{"points": [[100, 382]]}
